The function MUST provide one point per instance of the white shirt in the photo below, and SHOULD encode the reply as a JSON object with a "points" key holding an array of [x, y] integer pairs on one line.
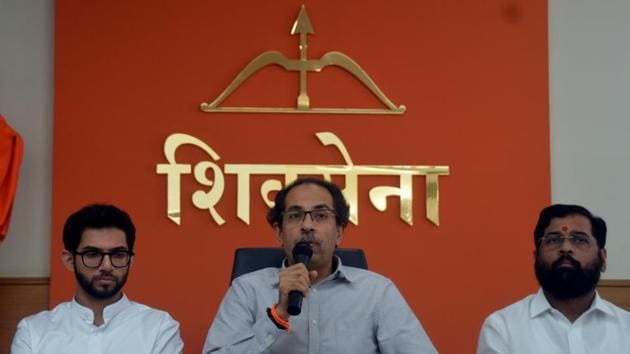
{"points": [[531, 325], [128, 327]]}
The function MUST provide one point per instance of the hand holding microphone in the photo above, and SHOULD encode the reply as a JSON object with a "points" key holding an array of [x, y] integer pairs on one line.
{"points": [[302, 253], [295, 281]]}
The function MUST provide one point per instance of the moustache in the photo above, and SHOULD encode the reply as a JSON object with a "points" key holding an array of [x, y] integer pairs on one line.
{"points": [[308, 237], [562, 259]]}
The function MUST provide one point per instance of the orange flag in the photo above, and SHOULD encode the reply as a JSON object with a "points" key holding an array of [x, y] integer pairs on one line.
{"points": [[11, 152]]}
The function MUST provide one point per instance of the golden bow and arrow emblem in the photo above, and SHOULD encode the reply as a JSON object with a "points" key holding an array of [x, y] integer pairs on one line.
{"points": [[303, 27]]}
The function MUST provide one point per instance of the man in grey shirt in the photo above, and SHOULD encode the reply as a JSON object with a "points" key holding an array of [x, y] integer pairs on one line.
{"points": [[345, 309]]}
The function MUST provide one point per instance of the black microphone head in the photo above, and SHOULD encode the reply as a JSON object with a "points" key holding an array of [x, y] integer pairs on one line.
{"points": [[302, 252]]}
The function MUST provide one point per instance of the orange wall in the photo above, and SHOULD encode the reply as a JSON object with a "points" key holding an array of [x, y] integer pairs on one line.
{"points": [[473, 76]]}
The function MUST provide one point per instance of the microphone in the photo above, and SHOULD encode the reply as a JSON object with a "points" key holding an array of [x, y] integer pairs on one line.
{"points": [[302, 253]]}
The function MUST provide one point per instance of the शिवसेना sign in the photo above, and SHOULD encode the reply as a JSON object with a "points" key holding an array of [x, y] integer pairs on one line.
{"points": [[203, 199]]}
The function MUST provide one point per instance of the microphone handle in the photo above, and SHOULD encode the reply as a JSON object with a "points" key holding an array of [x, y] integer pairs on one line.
{"points": [[294, 307]]}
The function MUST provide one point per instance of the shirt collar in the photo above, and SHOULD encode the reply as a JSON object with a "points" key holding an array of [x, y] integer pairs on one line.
{"points": [[342, 272], [601, 305], [109, 312], [540, 305]]}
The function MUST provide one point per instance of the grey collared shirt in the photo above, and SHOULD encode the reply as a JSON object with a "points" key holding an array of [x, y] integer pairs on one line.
{"points": [[351, 311]]}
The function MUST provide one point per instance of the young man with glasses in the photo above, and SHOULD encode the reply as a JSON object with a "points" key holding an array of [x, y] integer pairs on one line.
{"points": [[98, 241], [344, 310], [566, 315]]}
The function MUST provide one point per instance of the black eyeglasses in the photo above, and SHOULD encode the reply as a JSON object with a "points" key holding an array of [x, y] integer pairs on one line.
{"points": [[293, 217], [94, 259]]}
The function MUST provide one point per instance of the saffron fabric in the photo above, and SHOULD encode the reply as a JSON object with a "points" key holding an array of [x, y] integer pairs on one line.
{"points": [[11, 153]]}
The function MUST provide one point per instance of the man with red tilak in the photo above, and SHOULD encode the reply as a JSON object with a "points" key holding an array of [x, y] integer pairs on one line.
{"points": [[566, 315]]}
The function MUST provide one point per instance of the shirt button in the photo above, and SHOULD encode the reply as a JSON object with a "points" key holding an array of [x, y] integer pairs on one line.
{"points": [[314, 322]]}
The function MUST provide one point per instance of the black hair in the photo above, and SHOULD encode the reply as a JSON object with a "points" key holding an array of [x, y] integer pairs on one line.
{"points": [[97, 216], [598, 225], [342, 210]]}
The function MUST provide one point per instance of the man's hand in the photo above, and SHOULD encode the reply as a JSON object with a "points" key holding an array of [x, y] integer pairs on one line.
{"points": [[295, 277]]}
